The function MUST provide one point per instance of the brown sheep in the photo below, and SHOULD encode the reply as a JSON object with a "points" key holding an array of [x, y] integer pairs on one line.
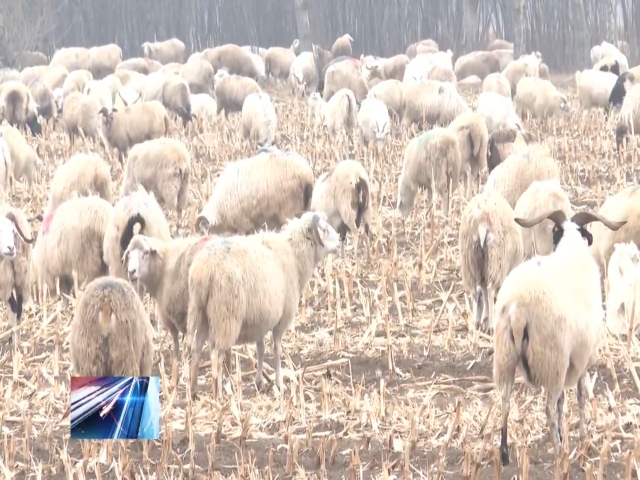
{"points": [[110, 332], [342, 46], [80, 112], [103, 60], [176, 97], [499, 44], [72, 58], [442, 74], [278, 61], [29, 74], [393, 67], [18, 107], [31, 59], [168, 51], [236, 60], [480, 64], [199, 75], [144, 66], [343, 75], [231, 91]]}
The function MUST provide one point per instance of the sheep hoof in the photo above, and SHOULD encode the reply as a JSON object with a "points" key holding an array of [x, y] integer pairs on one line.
{"points": [[260, 385]]}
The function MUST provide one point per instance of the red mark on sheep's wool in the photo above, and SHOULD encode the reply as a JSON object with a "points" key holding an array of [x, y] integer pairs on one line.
{"points": [[46, 222], [203, 241]]}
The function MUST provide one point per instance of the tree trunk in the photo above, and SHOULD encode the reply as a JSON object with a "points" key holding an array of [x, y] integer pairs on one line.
{"points": [[519, 44], [302, 21]]}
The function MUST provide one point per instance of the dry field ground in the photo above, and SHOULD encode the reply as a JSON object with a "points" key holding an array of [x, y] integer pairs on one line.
{"points": [[385, 375]]}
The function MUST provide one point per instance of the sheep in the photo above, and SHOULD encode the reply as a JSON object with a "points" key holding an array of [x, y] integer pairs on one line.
{"points": [[543, 72], [104, 59], [594, 88], [54, 76], [28, 59], [389, 92], [421, 47], [234, 59], [144, 66], [261, 52], [549, 321], [624, 84], [621, 205], [374, 122], [259, 119], [540, 197], [9, 75], [420, 66], [432, 102], [498, 112], [43, 96], [83, 173], [500, 44], [317, 113], [497, 82], [480, 64], [344, 76], [503, 143], [232, 90], [172, 68], [342, 46], [24, 159], [176, 97], [258, 64], [490, 247], [608, 64], [623, 296], [324, 60], [14, 260], [161, 166], [138, 207], [521, 68], [111, 334], [303, 75], [606, 49], [392, 68], [131, 80], [540, 98], [518, 171], [278, 61], [266, 189], [432, 162], [72, 58], [473, 138], [76, 81], [135, 124], [341, 112], [442, 74], [18, 107], [70, 242], [344, 195], [162, 267], [257, 282], [81, 116], [30, 74], [6, 168], [100, 91], [204, 108], [167, 51], [199, 75]]}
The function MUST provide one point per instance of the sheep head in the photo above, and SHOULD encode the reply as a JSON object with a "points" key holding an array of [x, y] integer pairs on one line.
{"points": [[147, 49], [8, 230], [107, 114], [141, 258], [323, 235]]}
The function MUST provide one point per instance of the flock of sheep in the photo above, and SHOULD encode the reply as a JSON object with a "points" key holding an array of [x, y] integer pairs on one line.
{"points": [[532, 268]]}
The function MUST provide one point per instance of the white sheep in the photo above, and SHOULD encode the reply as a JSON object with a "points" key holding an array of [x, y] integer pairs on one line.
{"points": [[259, 119], [341, 112], [389, 92], [540, 98], [344, 195], [243, 287], [623, 295], [303, 75], [497, 82], [594, 88], [374, 122], [490, 247], [473, 138], [498, 112], [317, 113], [24, 159], [549, 322], [432, 102], [266, 189], [204, 108]]}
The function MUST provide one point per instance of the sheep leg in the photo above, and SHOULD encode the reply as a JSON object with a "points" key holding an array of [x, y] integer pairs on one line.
{"points": [[507, 376], [367, 241], [66, 285], [580, 393], [478, 305], [489, 301], [277, 335], [560, 407], [260, 366], [197, 344], [552, 420], [15, 312], [175, 336]]}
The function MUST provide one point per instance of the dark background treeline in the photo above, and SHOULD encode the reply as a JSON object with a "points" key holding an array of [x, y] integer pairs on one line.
{"points": [[563, 31]]}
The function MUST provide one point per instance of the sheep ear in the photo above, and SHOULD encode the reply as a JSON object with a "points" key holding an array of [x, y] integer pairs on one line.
{"points": [[202, 224]]}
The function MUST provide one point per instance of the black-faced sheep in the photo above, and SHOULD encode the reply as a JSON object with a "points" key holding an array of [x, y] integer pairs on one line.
{"points": [[168, 51]]}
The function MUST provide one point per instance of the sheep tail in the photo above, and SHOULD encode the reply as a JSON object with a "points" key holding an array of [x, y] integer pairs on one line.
{"points": [[127, 233], [106, 318], [167, 124], [518, 327], [362, 193], [306, 196], [15, 102]]}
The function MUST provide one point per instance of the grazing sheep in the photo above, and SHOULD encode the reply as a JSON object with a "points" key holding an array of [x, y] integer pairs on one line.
{"points": [[503, 143], [420, 67], [342, 46], [549, 322], [374, 122], [540, 98], [70, 241], [28, 59], [204, 108], [497, 82], [81, 116], [343, 76], [278, 61], [199, 75], [83, 173], [103, 60], [176, 97], [253, 284], [473, 138], [258, 63], [498, 112], [259, 119], [72, 58], [594, 88], [172, 68], [541, 197], [317, 113], [167, 51], [623, 296], [432, 102], [162, 166], [500, 44], [18, 107], [432, 162], [341, 112], [513, 176], [135, 124], [232, 90], [30, 74], [141, 208], [234, 59], [24, 159], [269, 188], [480, 64], [490, 247], [623, 204], [101, 92], [43, 96], [144, 66], [6, 168], [14, 260], [442, 74], [521, 68], [76, 81], [132, 81], [344, 195], [607, 50], [111, 335], [389, 92], [303, 75], [624, 83], [9, 75], [162, 267], [393, 68], [421, 47], [54, 76]]}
